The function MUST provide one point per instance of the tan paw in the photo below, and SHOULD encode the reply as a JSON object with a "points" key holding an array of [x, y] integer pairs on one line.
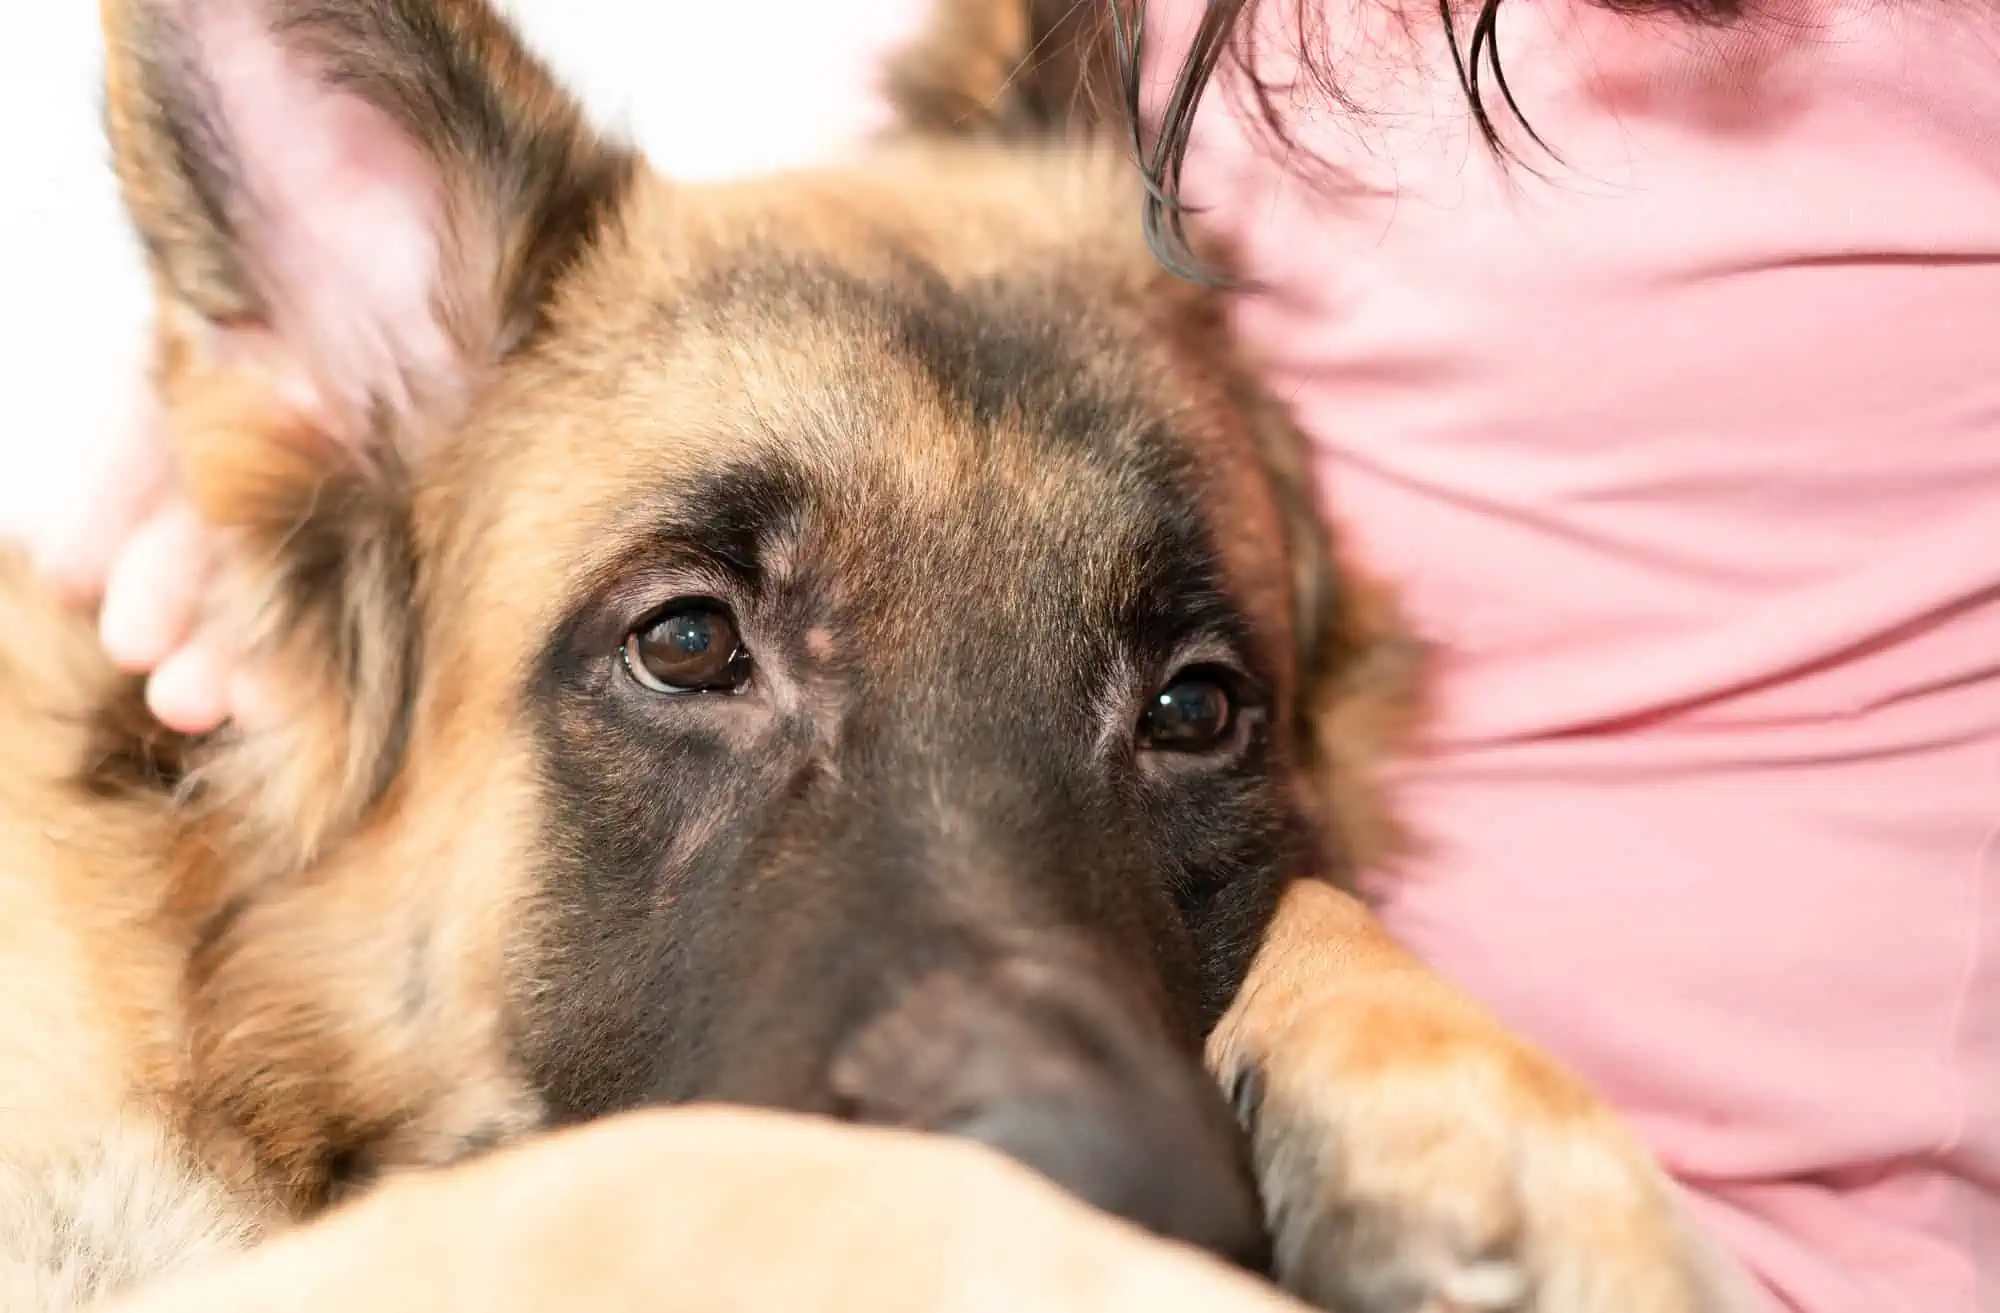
{"points": [[1417, 1158]]}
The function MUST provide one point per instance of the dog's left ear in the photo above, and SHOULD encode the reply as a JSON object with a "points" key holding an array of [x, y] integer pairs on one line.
{"points": [[354, 211]]}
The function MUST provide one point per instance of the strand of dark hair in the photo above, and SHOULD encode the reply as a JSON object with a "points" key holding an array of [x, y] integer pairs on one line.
{"points": [[1225, 34]]}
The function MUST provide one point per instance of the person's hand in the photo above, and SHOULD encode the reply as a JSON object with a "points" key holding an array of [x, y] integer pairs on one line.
{"points": [[135, 541]]}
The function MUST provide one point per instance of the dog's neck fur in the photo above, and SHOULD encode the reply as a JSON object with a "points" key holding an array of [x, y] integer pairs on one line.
{"points": [[106, 1185], [118, 918]]}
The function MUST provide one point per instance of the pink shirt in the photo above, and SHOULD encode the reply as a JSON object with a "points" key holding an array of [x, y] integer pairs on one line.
{"points": [[1687, 457]]}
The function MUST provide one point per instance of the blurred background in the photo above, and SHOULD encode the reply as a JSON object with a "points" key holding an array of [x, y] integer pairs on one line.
{"points": [[707, 89]]}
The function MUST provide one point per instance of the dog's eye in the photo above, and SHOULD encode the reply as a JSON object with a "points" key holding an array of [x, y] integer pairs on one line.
{"points": [[691, 647], [1193, 713]]}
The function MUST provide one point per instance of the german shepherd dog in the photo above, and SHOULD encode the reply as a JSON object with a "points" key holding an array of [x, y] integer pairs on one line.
{"points": [[857, 646]]}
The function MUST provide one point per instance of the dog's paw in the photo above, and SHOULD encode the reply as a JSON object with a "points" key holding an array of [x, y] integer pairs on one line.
{"points": [[1415, 1157]]}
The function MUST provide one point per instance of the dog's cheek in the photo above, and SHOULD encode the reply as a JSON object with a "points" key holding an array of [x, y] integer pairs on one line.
{"points": [[645, 826], [1228, 847], [353, 1019]]}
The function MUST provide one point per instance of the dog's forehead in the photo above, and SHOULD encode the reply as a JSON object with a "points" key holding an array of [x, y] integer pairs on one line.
{"points": [[1022, 415], [903, 430], [893, 392]]}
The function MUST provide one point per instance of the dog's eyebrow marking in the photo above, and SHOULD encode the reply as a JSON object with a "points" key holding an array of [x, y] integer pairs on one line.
{"points": [[733, 525], [736, 515]]}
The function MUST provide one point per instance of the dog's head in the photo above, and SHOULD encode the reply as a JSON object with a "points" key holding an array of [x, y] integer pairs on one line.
{"points": [[856, 642]]}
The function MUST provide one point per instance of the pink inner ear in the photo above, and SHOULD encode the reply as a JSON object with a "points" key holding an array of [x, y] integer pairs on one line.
{"points": [[344, 223]]}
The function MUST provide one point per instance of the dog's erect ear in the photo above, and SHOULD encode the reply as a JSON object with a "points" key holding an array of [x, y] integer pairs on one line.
{"points": [[353, 209], [383, 187], [1015, 68]]}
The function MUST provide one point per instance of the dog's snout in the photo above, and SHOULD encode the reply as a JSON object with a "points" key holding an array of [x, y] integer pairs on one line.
{"points": [[1167, 1171], [1064, 1075]]}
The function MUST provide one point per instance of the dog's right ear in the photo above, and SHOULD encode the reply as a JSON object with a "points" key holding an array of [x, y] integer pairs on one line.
{"points": [[354, 210], [1013, 68]]}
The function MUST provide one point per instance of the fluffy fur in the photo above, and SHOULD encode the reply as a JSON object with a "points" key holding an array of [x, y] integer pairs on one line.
{"points": [[973, 486], [122, 1211]]}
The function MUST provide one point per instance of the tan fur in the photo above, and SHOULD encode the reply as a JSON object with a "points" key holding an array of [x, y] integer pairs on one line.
{"points": [[96, 1187], [308, 936], [693, 1209]]}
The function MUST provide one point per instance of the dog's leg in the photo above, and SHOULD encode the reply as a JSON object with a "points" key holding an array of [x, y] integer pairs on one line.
{"points": [[692, 1211], [1416, 1156]]}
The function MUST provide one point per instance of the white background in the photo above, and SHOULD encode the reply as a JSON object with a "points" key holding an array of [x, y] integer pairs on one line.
{"points": [[708, 87]]}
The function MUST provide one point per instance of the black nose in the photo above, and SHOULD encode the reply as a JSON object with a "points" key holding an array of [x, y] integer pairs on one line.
{"points": [[1072, 1076], [1151, 1165]]}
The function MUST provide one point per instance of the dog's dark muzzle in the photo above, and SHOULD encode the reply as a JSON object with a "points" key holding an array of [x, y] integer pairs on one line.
{"points": [[1003, 965], [1049, 1066]]}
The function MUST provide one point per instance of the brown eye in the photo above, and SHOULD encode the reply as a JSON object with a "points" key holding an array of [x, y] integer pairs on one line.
{"points": [[1193, 713], [691, 647]]}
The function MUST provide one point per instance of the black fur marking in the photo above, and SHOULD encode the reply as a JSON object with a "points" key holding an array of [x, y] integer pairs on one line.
{"points": [[210, 935], [732, 517], [128, 753]]}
